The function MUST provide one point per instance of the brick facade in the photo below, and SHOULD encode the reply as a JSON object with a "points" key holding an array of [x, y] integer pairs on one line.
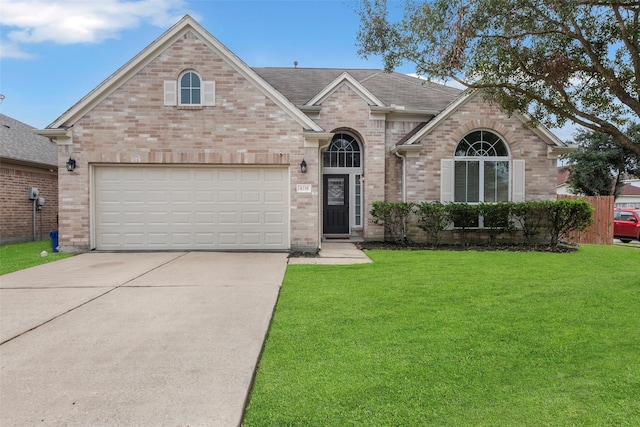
{"points": [[423, 172], [16, 210], [130, 124]]}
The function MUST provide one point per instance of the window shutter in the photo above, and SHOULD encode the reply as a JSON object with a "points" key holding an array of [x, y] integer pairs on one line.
{"points": [[518, 183], [170, 93], [209, 94], [446, 180]]}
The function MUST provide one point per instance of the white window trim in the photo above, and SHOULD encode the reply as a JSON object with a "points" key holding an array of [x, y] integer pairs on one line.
{"points": [[172, 92]]}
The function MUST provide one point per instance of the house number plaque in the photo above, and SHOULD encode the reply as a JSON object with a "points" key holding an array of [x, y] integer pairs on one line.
{"points": [[303, 188]]}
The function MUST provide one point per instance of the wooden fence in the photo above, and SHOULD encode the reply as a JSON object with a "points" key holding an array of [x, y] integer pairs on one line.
{"points": [[601, 232]]}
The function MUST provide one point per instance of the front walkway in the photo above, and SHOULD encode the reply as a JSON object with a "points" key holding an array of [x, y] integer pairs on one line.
{"points": [[335, 253]]}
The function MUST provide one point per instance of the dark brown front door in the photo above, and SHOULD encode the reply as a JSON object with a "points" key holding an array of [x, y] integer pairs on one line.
{"points": [[336, 204]]}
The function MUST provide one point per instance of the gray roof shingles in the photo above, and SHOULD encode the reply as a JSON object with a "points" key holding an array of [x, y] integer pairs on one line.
{"points": [[300, 85], [18, 142]]}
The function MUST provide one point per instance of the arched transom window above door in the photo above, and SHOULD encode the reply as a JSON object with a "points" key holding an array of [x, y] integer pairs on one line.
{"points": [[344, 152], [482, 168]]}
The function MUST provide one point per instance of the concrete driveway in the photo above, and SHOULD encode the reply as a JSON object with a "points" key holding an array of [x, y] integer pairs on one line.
{"points": [[135, 339]]}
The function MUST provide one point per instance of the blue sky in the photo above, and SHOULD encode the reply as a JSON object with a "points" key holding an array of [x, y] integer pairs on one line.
{"points": [[53, 52]]}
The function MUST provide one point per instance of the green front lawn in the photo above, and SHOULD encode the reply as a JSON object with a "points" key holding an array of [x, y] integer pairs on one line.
{"points": [[19, 256], [428, 338]]}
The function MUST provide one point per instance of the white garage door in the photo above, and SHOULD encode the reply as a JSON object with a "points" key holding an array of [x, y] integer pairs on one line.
{"points": [[183, 208]]}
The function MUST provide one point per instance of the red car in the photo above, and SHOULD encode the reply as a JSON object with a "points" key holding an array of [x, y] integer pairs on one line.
{"points": [[626, 224]]}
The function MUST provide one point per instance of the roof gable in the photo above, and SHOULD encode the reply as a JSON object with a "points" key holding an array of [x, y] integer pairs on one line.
{"points": [[301, 85], [345, 78], [556, 145], [186, 24]]}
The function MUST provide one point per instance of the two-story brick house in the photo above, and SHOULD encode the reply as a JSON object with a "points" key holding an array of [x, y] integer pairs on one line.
{"points": [[186, 147]]}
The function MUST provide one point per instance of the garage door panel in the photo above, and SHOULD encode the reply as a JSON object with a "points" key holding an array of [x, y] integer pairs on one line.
{"points": [[274, 218], [274, 197], [249, 175], [250, 196], [204, 218], [134, 218], [274, 239], [157, 208], [251, 218], [227, 196], [228, 218]]}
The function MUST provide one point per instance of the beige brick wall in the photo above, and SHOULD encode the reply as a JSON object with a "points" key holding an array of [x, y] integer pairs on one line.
{"points": [[345, 110], [132, 126], [423, 172], [16, 210]]}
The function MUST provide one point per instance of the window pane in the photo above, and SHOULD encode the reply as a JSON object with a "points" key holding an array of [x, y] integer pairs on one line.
{"points": [[358, 201], [335, 191], [195, 96], [185, 96], [490, 182], [344, 151], [496, 181], [481, 144], [502, 179], [467, 182], [325, 159], [190, 89]]}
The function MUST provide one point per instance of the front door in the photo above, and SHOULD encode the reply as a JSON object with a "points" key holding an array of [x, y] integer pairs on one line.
{"points": [[336, 204]]}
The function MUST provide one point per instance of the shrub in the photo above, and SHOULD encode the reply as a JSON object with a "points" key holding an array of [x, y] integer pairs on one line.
{"points": [[496, 218], [394, 217], [433, 217], [558, 218], [464, 216], [568, 215], [530, 217]]}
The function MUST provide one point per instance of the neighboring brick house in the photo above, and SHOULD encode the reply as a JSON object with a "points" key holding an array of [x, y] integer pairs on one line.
{"points": [[187, 147], [26, 160]]}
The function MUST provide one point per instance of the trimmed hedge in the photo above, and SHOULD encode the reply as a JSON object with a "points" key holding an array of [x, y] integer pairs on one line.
{"points": [[551, 220]]}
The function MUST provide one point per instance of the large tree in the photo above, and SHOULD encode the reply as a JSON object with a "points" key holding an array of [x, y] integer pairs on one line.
{"points": [[555, 60], [599, 165]]}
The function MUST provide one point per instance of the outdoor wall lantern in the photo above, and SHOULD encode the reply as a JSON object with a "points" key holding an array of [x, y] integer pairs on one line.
{"points": [[71, 164], [303, 166]]}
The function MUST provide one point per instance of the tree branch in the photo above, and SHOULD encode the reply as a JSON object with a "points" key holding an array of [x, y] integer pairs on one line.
{"points": [[607, 73], [630, 42]]}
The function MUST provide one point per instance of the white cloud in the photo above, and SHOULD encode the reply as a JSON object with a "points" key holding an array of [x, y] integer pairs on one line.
{"points": [[78, 21]]}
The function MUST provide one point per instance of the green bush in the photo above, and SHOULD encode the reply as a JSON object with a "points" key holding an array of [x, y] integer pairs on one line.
{"points": [[433, 218], [394, 217], [464, 217], [531, 218], [496, 219], [557, 218], [568, 215]]}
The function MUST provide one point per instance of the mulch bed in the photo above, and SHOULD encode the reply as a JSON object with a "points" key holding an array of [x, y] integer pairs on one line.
{"points": [[561, 248], [410, 246]]}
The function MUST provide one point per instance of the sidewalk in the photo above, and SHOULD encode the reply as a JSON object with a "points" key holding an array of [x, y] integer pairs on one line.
{"points": [[335, 253]]}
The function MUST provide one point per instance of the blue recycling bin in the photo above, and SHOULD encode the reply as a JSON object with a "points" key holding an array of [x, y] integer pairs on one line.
{"points": [[54, 240]]}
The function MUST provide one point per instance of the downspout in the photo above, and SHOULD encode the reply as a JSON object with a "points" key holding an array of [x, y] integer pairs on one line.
{"points": [[404, 175]]}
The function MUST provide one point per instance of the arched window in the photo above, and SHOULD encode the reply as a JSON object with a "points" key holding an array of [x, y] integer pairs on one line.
{"points": [[190, 89], [481, 168], [344, 152]]}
